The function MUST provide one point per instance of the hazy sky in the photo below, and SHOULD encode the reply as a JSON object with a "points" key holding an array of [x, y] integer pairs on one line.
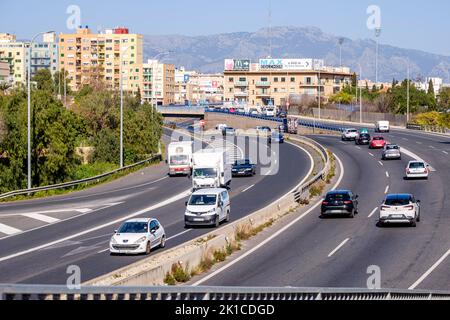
{"points": [[414, 24]]}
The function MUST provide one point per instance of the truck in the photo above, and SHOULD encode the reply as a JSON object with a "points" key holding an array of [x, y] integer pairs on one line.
{"points": [[180, 158], [382, 126], [211, 169]]}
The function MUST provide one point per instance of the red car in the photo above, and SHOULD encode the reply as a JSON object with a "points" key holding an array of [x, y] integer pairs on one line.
{"points": [[377, 143]]}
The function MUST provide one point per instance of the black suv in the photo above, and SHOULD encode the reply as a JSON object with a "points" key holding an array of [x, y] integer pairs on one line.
{"points": [[340, 202], [363, 139], [243, 168]]}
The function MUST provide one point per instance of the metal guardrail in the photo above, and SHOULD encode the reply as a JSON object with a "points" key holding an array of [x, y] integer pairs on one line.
{"points": [[260, 117], [435, 129], [319, 176], [319, 125], [75, 183], [189, 293]]}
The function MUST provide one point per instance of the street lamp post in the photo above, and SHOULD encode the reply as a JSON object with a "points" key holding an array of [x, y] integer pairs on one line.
{"points": [[121, 104], [407, 94], [341, 41], [360, 93], [320, 85], [377, 35], [29, 184]]}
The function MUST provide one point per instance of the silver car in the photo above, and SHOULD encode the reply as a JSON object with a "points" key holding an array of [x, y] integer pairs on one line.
{"points": [[391, 151], [349, 134]]}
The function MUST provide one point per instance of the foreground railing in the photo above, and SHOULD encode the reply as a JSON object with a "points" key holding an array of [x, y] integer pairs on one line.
{"points": [[45, 292]]}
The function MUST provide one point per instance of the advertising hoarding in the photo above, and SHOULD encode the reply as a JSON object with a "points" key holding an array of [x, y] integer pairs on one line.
{"points": [[290, 64], [237, 65]]}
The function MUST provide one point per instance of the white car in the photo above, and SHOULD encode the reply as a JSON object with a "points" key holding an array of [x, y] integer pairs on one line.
{"points": [[417, 170], [207, 207], [398, 209], [349, 134], [138, 236]]}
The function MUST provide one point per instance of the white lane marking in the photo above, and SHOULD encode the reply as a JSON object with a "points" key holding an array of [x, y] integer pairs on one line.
{"points": [[41, 217], [357, 147], [419, 142], [168, 239], [179, 234], [372, 213], [342, 142], [387, 190], [445, 152], [275, 235], [429, 271], [248, 188], [381, 163], [432, 147], [338, 247], [45, 212], [117, 221], [405, 139], [371, 154], [83, 210], [387, 174], [8, 230]]}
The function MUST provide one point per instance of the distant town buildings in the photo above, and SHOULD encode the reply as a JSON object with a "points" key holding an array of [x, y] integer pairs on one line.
{"points": [[197, 88], [158, 85], [438, 84], [272, 82]]}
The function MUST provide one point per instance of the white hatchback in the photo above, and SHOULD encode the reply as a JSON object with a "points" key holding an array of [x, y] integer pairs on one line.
{"points": [[398, 209], [138, 236], [349, 134], [417, 170]]}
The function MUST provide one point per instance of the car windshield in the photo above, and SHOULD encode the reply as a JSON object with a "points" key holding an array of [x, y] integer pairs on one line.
{"points": [[205, 172], [203, 200], [392, 147], [364, 136], [179, 159], [378, 139], [397, 201], [417, 165], [241, 162], [133, 227], [338, 197]]}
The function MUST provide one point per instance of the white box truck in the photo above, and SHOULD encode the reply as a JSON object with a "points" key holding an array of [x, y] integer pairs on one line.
{"points": [[211, 169], [180, 158], [382, 126]]}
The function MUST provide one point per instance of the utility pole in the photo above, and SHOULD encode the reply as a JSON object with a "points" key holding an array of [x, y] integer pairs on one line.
{"points": [[341, 42], [407, 94], [29, 183], [377, 35]]}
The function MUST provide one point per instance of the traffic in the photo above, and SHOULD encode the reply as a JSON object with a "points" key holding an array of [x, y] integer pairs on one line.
{"points": [[395, 209]]}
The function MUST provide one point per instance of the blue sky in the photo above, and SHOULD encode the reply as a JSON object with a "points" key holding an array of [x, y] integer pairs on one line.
{"points": [[414, 24]]}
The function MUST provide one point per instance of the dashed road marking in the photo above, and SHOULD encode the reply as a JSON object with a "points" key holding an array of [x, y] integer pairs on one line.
{"points": [[381, 163], [445, 152], [372, 213], [371, 154], [248, 188], [338, 247], [387, 174], [387, 190]]}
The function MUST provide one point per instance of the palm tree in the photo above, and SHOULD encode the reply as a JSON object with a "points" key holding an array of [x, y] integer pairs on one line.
{"points": [[4, 86]]}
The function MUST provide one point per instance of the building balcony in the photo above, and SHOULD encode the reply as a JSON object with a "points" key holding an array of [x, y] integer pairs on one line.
{"points": [[263, 83], [241, 84], [263, 93], [241, 94]]}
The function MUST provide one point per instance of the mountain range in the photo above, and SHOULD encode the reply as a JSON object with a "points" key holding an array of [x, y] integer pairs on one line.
{"points": [[207, 53]]}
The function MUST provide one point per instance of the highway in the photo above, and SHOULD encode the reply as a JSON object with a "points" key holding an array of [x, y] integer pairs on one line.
{"points": [[337, 252], [41, 238]]}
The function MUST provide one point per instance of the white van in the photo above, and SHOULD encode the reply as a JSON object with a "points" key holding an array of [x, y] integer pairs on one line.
{"points": [[180, 157], [382, 126], [207, 207], [211, 169]]}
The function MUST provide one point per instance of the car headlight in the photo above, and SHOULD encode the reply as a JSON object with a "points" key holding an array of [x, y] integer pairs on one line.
{"points": [[211, 211], [113, 240], [140, 240]]}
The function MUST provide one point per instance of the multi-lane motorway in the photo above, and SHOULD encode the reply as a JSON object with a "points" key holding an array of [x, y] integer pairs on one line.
{"points": [[39, 239], [338, 252]]}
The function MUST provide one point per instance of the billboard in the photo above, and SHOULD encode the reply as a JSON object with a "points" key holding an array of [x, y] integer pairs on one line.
{"points": [[290, 64], [237, 65]]}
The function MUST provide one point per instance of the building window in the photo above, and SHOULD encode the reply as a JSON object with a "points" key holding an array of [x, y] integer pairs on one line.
{"points": [[275, 79], [230, 79], [283, 79], [264, 79], [292, 79]]}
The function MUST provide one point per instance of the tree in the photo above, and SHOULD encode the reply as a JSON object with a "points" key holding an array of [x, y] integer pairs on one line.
{"points": [[44, 81], [431, 88], [444, 99]]}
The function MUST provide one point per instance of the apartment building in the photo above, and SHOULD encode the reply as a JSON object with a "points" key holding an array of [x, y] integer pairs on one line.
{"points": [[274, 81], [14, 54], [44, 55], [4, 71], [192, 87], [158, 84], [88, 57]]}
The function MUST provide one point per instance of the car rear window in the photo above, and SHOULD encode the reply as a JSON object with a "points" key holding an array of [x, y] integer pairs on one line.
{"points": [[338, 197], [392, 147], [417, 165], [397, 202], [364, 136], [378, 138]]}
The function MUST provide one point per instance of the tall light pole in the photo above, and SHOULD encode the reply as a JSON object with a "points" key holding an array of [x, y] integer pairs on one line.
{"points": [[122, 52], [341, 42], [407, 94], [360, 93], [320, 87], [377, 35], [29, 184]]}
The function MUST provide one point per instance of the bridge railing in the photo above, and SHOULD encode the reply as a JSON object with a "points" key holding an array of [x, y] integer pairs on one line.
{"points": [[189, 293]]}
